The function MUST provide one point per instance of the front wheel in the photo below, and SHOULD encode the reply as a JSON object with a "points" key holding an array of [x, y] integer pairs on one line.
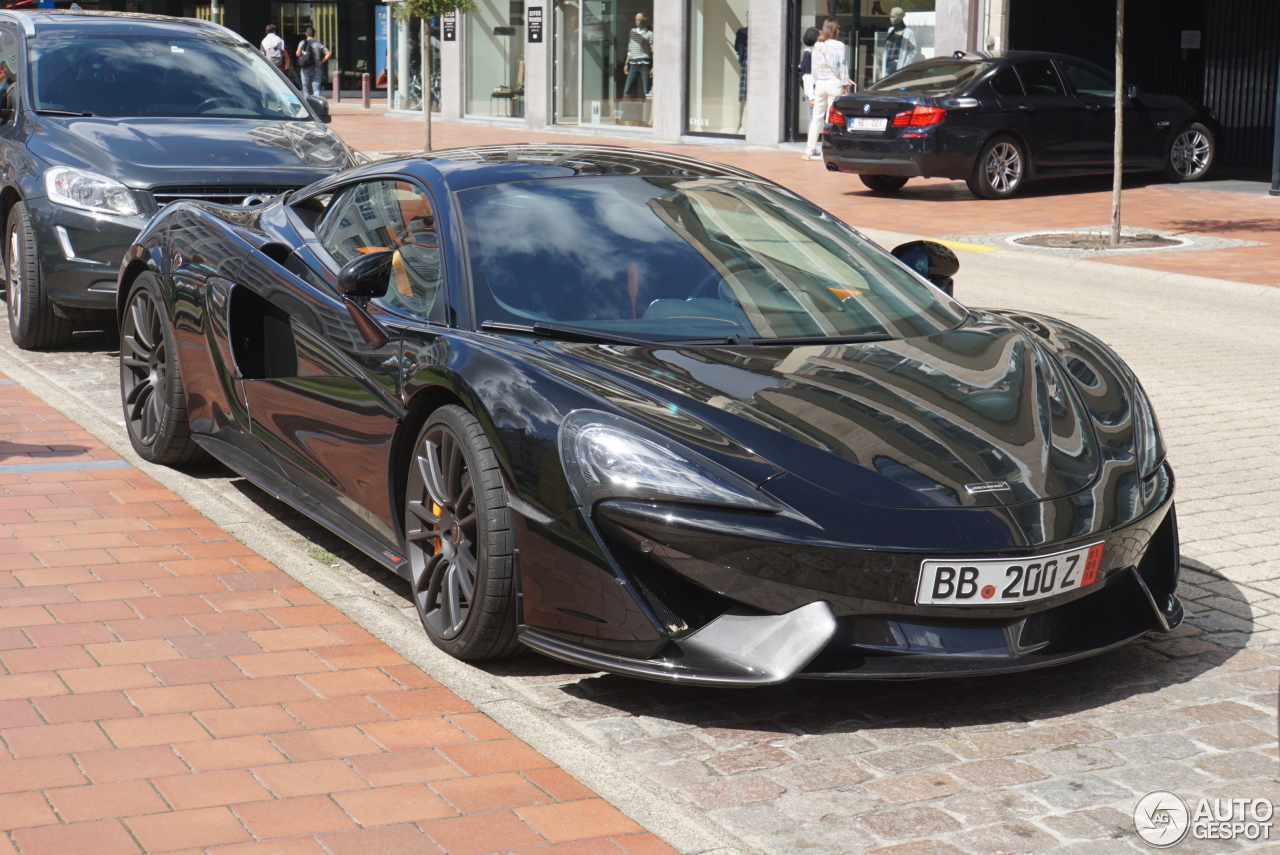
{"points": [[33, 324], [461, 545], [1190, 154], [155, 408], [1000, 169], [884, 183]]}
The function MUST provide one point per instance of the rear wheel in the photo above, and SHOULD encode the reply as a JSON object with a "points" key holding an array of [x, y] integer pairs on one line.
{"points": [[884, 183], [1000, 169], [1190, 154], [33, 324], [461, 546], [155, 409]]}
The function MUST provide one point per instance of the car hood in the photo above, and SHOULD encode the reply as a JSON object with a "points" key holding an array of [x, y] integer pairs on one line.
{"points": [[163, 151], [909, 423]]}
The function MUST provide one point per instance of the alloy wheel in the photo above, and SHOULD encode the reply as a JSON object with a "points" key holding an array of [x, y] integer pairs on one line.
{"points": [[14, 291], [144, 365], [1004, 167], [442, 532], [1190, 153]]}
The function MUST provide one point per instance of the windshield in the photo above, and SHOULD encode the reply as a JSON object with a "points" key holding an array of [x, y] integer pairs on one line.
{"points": [[667, 259], [149, 76], [936, 77]]}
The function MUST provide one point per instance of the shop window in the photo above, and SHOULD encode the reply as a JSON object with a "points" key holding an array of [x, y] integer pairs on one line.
{"points": [[718, 55], [604, 70], [495, 59]]}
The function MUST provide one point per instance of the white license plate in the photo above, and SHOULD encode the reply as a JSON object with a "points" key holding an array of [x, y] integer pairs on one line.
{"points": [[858, 123], [1000, 581]]}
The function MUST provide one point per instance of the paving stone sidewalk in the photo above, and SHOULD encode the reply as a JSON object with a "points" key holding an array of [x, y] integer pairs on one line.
{"points": [[165, 689]]}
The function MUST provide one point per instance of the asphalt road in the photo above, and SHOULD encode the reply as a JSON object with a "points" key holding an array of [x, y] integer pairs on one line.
{"points": [[1051, 761]]}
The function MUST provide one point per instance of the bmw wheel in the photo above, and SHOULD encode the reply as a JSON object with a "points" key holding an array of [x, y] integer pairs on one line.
{"points": [[461, 546], [884, 183], [155, 409], [1000, 169], [1190, 154], [33, 324]]}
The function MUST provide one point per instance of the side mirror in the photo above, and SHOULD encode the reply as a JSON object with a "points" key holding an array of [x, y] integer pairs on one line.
{"points": [[320, 107], [368, 275], [931, 260]]}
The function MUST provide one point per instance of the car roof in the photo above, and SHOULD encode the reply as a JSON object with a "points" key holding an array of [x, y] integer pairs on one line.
{"points": [[476, 166], [84, 21]]}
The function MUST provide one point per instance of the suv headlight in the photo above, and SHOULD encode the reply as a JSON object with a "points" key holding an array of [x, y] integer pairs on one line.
{"points": [[1149, 445], [609, 457], [76, 188]]}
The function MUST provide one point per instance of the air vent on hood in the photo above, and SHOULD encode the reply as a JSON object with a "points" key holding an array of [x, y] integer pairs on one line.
{"points": [[221, 195]]}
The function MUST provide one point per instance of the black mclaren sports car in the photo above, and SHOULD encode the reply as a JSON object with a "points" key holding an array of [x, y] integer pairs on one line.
{"points": [[657, 417]]}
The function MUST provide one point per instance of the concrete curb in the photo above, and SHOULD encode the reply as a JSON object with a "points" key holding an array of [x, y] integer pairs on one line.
{"points": [[658, 811]]}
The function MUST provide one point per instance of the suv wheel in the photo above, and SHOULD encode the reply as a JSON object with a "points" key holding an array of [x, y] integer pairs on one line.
{"points": [[32, 322]]}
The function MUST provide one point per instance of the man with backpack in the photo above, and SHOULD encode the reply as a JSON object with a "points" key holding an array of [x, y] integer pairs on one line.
{"points": [[312, 56], [273, 48]]}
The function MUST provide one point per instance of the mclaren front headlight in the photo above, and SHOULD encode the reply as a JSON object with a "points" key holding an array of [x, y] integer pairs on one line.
{"points": [[606, 457], [1148, 444], [89, 191]]}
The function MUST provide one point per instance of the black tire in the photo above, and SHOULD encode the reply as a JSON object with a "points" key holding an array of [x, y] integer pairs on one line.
{"points": [[33, 324], [458, 529], [1000, 170], [1190, 155], [884, 183], [155, 408]]}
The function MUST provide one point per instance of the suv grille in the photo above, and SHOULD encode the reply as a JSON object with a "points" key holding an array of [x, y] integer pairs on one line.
{"points": [[220, 195]]}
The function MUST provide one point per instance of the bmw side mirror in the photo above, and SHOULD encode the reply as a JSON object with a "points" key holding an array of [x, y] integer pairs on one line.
{"points": [[358, 280], [320, 107], [931, 260]]}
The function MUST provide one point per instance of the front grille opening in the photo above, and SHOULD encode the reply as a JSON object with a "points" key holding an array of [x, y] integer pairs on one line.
{"points": [[229, 195]]}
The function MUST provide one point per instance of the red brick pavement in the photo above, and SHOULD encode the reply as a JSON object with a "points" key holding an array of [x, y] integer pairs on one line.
{"points": [[935, 207], [165, 689]]}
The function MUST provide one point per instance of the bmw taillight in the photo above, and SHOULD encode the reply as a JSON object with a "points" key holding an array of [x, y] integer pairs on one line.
{"points": [[834, 116], [919, 117]]}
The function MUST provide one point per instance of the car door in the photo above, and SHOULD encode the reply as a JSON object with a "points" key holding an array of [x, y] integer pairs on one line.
{"points": [[324, 401], [1052, 120], [1096, 90]]}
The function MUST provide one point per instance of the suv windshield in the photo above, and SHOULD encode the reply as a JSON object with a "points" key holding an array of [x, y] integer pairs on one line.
{"points": [[935, 77], [668, 259], [148, 76]]}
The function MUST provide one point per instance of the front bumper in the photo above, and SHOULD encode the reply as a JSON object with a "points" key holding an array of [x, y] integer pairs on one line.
{"points": [[85, 278]]}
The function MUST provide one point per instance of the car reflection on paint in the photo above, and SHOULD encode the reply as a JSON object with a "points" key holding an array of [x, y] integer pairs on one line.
{"points": [[659, 417]]}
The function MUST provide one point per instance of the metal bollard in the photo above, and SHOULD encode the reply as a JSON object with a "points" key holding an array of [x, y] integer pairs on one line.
{"points": [[364, 90], [337, 87]]}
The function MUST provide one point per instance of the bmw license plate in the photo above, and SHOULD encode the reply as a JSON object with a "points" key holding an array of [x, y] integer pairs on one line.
{"points": [[1000, 581], [858, 123]]}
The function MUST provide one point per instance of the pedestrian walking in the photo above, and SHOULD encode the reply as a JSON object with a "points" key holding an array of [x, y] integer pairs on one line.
{"points": [[805, 70], [312, 55], [830, 78], [275, 50]]}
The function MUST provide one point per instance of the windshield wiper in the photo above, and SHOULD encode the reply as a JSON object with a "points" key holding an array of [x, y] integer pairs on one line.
{"points": [[741, 340], [564, 333], [65, 113]]}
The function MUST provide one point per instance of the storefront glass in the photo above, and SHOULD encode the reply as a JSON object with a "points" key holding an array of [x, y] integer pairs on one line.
{"points": [[495, 59], [717, 85], [604, 62], [404, 64]]}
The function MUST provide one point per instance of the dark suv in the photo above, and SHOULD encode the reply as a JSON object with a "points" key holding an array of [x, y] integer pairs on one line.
{"points": [[998, 120], [106, 117]]}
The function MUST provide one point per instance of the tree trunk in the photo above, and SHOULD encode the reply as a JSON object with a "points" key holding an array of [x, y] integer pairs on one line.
{"points": [[427, 74], [1118, 153]]}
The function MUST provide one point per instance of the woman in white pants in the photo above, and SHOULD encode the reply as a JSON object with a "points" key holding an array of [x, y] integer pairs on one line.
{"points": [[830, 71]]}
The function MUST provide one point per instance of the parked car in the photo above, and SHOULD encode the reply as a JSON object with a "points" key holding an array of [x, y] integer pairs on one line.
{"points": [[105, 118], [999, 120], [656, 416]]}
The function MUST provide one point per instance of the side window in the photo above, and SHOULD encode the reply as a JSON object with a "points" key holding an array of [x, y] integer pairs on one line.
{"points": [[1006, 83], [1090, 81], [1040, 79], [9, 52], [394, 215]]}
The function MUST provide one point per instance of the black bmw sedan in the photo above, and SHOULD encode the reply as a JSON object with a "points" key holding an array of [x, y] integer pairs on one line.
{"points": [[656, 416], [105, 118], [997, 121]]}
